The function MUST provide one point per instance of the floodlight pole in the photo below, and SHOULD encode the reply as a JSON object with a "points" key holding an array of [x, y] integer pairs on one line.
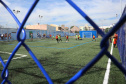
{"points": [[16, 12], [40, 17], [117, 17], [40, 21]]}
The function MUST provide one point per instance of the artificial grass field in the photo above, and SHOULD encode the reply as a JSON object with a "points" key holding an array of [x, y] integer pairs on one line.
{"points": [[61, 61]]}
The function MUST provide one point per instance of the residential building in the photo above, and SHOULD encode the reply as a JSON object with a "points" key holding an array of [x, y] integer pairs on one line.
{"points": [[66, 29], [57, 27], [104, 27], [63, 28], [82, 28], [41, 27], [87, 27], [75, 28]]}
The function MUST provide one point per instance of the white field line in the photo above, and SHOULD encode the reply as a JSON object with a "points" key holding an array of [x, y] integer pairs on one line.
{"points": [[21, 55], [106, 77]]}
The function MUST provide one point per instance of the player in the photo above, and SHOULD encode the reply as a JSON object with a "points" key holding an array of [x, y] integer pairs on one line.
{"points": [[31, 36], [57, 38], [115, 39], [84, 36], [38, 35], [9, 36], [2, 36], [53, 37], [67, 38], [93, 38], [50, 36], [60, 38], [76, 36]]}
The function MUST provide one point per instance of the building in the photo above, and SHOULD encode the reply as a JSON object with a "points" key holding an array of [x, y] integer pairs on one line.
{"points": [[104, 27], [41, 27], [74, 29], [60, 28], [66, 29], [63, 28], [49, 28], [82, 28], [46, 29], [57, 27], [86, 28]]}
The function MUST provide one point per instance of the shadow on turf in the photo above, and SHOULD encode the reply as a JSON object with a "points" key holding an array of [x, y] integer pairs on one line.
{"points": [[51, 64], [69, 70]]}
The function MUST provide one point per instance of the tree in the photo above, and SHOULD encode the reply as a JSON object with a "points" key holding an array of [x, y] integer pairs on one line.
{"points": [[24, 27], [107, 30], [76, 31], [71, 27]]}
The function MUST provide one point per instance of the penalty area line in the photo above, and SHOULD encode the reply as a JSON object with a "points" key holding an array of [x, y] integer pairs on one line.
{"points": [[21, 55], [106, 77]]}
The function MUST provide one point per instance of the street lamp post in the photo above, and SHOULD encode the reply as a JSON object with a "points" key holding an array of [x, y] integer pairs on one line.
{"points": [[40, 21], [16, 12], [40, 17], [117, 17]]}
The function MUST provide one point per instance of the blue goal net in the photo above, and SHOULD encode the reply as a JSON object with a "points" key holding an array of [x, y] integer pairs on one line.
{"points": [[87, 34]]}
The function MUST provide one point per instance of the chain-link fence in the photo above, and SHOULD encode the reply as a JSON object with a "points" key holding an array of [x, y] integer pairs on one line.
{"points": [[121, 42], [104, 45]]}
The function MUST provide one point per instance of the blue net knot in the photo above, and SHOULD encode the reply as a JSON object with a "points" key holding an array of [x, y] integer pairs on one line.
{"points": [[19, 33]]}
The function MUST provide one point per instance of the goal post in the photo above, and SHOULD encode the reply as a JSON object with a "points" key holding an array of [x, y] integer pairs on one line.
{"points": [[87, 34]]}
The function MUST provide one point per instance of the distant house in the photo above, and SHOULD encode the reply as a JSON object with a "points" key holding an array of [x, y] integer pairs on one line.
{"points": [[63, 28], [37, 27], [57, 27], [87, 27], [82, 28], [41, 27], [104, 27], [66, 29], [75, 28]]}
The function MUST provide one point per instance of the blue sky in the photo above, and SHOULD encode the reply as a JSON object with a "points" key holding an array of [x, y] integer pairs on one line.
{"points": [[59, 12]]}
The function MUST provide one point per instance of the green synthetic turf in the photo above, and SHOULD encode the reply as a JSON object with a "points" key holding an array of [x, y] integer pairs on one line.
{"points": [[116, 76], [60, 60]]}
